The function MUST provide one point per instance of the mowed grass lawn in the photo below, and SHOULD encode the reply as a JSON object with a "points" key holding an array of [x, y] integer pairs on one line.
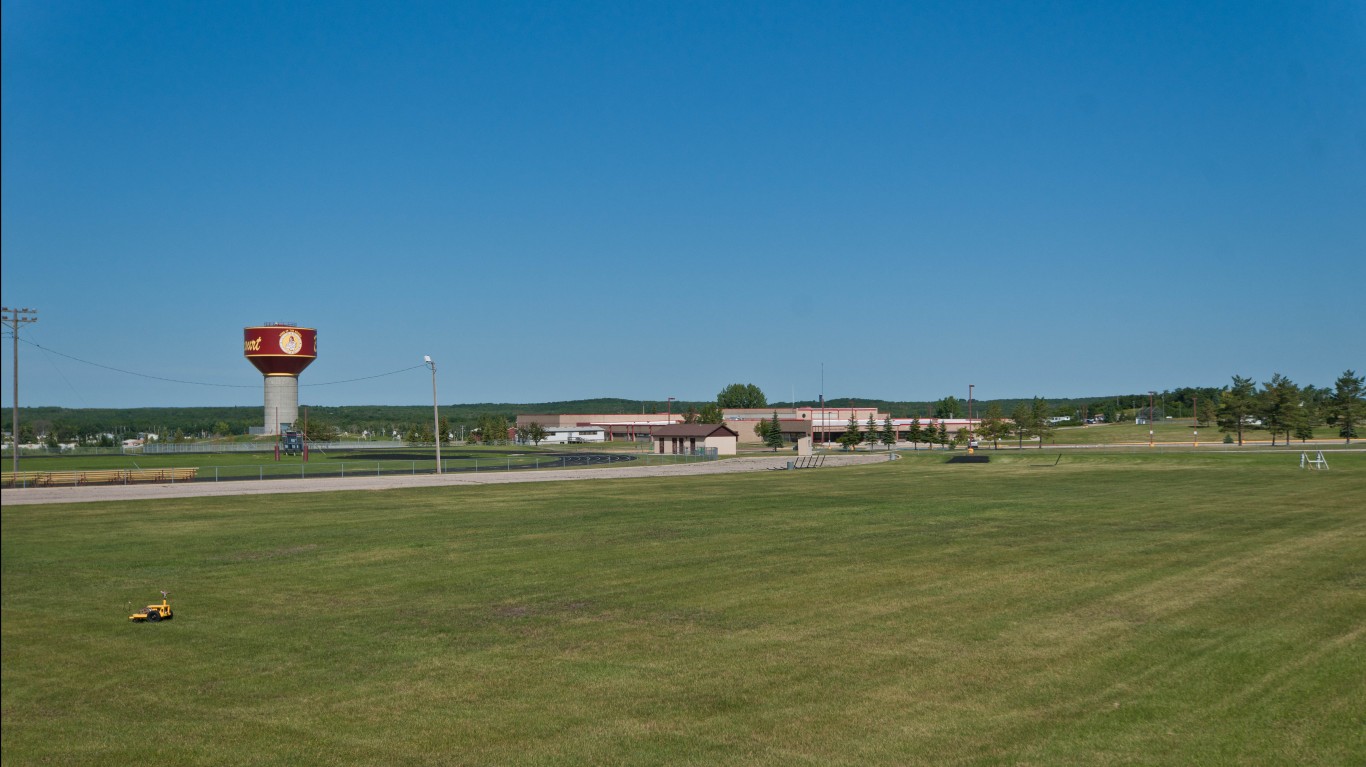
{"points": [[1156, 609]]}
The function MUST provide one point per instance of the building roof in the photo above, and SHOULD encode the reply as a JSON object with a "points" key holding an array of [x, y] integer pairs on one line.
{"points": [[696, 430]]}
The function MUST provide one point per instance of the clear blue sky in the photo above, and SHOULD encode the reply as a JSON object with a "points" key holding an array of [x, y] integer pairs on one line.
{"points": [[566, 200]]}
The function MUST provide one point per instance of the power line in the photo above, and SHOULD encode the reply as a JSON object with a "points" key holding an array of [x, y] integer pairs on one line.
{"points": [[202, 383]]}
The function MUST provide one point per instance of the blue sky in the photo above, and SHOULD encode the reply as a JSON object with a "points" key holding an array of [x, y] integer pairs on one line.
{"points": [[643, 200]]}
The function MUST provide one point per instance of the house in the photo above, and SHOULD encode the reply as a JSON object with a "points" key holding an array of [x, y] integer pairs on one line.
{"points": [[695, 439]]}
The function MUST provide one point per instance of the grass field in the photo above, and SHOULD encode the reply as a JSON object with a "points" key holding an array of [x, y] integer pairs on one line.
{"points": [[1111, 609]]}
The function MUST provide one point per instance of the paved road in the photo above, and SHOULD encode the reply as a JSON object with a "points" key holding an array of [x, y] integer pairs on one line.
{"points": [[91, 493]]}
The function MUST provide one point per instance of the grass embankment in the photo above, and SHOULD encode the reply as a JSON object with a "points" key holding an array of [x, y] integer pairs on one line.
{"points": [[1151, 609]]}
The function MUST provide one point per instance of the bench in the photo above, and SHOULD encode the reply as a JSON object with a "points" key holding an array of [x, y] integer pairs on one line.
{"points": [[97, 477], [803, 462]]}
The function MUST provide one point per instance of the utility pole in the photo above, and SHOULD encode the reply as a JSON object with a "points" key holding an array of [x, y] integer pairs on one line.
{"points": [[436, 414], [14, 318]]}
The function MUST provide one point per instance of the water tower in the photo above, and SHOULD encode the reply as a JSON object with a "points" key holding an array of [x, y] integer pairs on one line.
{"points": [[281, 351]]}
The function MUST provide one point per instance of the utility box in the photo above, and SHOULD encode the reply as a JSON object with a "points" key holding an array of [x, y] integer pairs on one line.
{"points": [[804, 446]]}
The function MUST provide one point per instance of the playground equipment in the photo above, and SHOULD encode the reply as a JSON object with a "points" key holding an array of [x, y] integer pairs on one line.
{"points": [[1313, 463]]}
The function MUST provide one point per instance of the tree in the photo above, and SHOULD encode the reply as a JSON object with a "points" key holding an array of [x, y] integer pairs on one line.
{"points": [[711, 413], [993, 425], [535, 433], [774, 437], [1237, 405], [1280, 405], [492, 428], [445, 429], [221, 429], [741, 396], [915, 434], [320, 431], [871, 432], [691, 416], [888, 433], [942, 435], [421, 434], [1204, 410], [1038, 420], [851, 435], [1346, 405], [1023, 417], [949, 407]]}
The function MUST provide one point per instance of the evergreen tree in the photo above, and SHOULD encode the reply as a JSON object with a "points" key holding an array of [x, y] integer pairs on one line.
{"points": [[1346, 406], [851, 435], [1204, 410], [1237, 405], [871, 432], [993, 425], [888, 433], [915, 433], [1279, 404], [774, 436], [942, 436]]}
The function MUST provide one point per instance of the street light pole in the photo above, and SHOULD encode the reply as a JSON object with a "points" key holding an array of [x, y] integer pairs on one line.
{"points": [[1151, 394], [436, 419]]}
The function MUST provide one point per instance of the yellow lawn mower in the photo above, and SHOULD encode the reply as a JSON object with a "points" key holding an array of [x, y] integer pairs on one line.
{"points": [[154, 613]]}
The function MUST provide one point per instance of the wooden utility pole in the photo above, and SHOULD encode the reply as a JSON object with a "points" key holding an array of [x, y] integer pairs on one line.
{"points": [[14, 318]]}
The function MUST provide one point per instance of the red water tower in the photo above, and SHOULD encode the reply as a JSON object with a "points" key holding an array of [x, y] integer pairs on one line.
{"points": [[281, 351]]}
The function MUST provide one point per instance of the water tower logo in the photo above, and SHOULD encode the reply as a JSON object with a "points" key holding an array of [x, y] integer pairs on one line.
{"points": [[291, 342]]}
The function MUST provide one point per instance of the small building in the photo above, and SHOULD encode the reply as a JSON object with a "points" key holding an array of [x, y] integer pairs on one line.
{"points": [[695, 439], [571, 435]]}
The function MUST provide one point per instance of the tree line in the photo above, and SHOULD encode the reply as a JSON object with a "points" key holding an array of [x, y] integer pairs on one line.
{"points": [[1285, 409]]}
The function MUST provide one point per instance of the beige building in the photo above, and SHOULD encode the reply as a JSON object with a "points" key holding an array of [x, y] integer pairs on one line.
{"points": [[695, 439], [616, 426]]}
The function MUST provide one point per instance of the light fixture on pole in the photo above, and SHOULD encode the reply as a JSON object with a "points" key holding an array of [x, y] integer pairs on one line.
{"points": [[1151, 394], [436, 419]]}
